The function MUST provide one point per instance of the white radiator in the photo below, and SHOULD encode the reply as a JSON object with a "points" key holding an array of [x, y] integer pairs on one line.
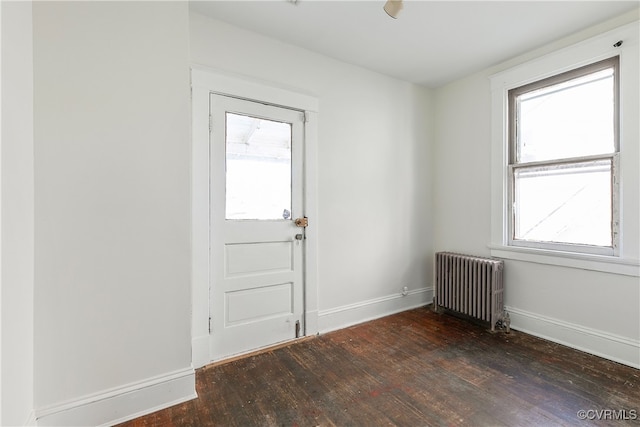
{"points": [[471, 286]]}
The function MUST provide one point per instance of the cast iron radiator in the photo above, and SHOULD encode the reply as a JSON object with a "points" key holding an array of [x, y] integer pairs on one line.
{"points": [[471, 286]]}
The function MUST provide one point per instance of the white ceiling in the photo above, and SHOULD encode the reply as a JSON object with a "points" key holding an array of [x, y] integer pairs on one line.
{"points": [[431, 42]]}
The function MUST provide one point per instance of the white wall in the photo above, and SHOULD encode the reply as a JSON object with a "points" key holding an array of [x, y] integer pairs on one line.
{"points": [[594, 311], [112, 296], [17, 214], [112, 207], [374, 220]]}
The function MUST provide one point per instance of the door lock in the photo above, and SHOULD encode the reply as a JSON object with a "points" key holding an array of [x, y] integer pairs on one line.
{"points": [[302, 222], [299, 236]]}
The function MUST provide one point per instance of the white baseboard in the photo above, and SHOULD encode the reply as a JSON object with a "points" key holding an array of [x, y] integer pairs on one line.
{"points": [[610, 346], [311, 327], [122, 404], [31, 419], [200, 351], [348, 315]]}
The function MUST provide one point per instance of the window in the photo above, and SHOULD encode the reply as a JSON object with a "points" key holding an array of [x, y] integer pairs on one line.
{"points": [[563, 161], [565, 156]]}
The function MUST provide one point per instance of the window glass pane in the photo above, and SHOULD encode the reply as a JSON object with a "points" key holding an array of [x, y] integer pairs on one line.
{"points": [[569, 119], [569, 203], [258, 162]]}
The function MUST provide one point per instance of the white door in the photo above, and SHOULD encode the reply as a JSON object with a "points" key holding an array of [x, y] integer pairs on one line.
{"points": [[256, 153]]}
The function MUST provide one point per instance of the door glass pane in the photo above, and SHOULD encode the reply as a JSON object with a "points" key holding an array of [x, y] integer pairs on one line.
{"points": [[569, 203], [258, 168], [570, 119]]}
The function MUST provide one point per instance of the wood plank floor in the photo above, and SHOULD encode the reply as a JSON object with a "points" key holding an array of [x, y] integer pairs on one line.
{"points": [[415, 368]]}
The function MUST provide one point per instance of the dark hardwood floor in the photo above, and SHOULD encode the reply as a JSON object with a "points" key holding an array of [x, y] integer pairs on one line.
{"points": [[415, 368]]}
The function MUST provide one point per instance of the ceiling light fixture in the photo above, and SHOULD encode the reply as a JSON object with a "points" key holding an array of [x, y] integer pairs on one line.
{"points": [[393, 7]]}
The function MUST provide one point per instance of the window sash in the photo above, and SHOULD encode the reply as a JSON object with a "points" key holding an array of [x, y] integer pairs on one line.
{"points": [[515, 165], [548, 168], [513, 94]]}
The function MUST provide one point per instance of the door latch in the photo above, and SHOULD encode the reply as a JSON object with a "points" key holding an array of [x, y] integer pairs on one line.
{"points": [[302, 222]]}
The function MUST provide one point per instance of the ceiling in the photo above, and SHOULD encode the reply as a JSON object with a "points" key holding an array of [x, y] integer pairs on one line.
{"points": [[431, 42]]}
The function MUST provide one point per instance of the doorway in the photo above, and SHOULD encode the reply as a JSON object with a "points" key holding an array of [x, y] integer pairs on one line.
{"points": [[254, 271], [257, 246]]}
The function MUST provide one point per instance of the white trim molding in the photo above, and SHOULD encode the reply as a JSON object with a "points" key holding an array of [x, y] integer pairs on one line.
{"points": [[603, 263], [123, 403], [627, 260], [31, 419], [604, 344], [252, 89], [204, 81], [364, 311]]}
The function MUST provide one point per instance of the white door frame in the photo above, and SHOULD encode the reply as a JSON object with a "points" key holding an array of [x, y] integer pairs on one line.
{"points": [[205, 81]]}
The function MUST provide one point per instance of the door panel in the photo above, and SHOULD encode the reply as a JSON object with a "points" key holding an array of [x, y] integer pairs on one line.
{"points": [[252, 258], [256, 193], [258, 304]]}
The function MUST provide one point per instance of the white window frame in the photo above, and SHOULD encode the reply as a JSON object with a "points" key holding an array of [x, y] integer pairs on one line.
{"points": [[624, 257], [515, 165]]}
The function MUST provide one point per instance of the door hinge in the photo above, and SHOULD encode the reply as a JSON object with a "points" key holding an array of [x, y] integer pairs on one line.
{"points": [[210, 326], [305, 116], [210, 123]]}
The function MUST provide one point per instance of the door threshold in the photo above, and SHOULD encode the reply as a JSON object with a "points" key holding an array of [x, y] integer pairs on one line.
{"points": [[257, 352]]}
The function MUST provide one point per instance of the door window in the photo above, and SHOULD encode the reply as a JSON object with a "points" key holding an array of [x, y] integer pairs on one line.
{"points": [[258, 168]]}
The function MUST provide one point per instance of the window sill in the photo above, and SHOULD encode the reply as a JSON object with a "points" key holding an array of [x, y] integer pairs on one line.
{"points": [[606, 264]]}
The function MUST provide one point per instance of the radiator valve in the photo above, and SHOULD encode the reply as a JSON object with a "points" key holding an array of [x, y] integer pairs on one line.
{"points": [[505, 322]]}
